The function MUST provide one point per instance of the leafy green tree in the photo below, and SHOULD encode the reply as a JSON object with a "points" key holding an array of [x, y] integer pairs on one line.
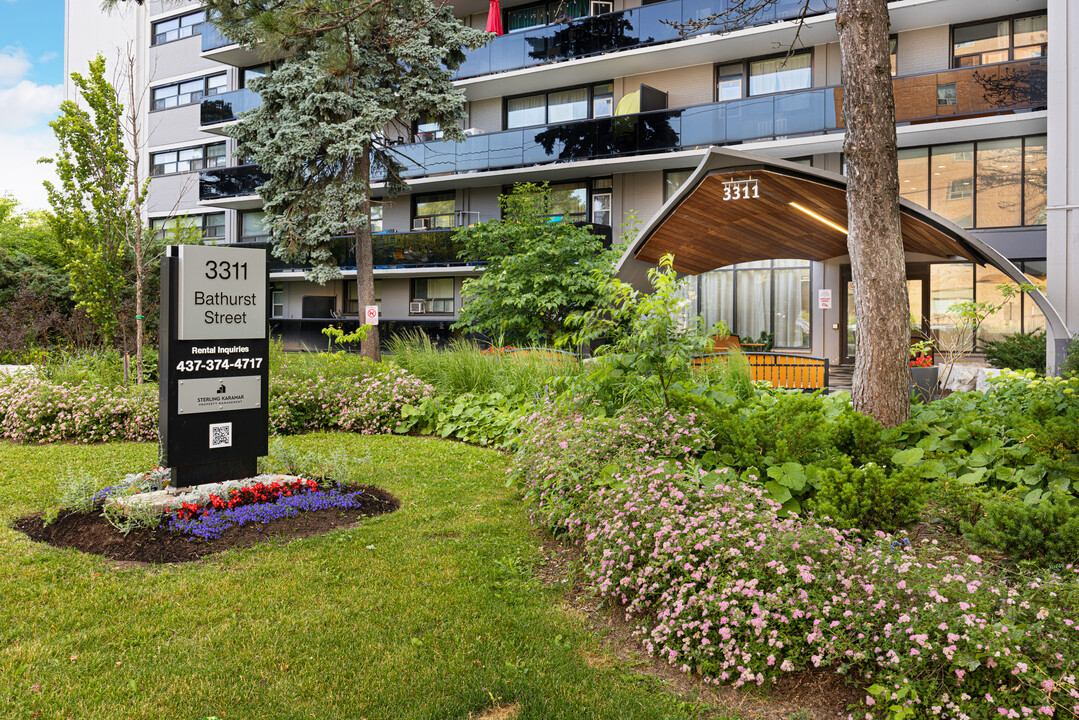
{"points": [[98, 203], [650, 344], [31, 256], [538, 272], [355, 71]]}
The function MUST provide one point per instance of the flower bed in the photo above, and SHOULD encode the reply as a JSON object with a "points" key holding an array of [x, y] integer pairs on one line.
{"points": [[725, 586]]}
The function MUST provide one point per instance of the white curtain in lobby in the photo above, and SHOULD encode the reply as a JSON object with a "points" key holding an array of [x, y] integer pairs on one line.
{"points": [[717, 297], [791, 307], [753, 302]]}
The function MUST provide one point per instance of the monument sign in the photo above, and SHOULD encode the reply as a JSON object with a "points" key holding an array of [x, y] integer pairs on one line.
{"points": [[213, 363]]}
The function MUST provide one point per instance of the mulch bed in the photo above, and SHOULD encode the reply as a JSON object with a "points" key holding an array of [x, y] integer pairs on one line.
{"points": [[92, 533]]}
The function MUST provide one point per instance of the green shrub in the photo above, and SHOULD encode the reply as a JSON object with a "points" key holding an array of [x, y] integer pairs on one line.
{"points": [[1021, 351], [1070, 367], [956, 503], [76, 492], [867, 498], [1044, 533]]}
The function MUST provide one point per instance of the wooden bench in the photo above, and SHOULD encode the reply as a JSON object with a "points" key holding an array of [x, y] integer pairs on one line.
{"points": [[781, 370]]}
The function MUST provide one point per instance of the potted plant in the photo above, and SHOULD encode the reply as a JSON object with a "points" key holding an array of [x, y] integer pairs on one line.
{"points": [[923, 373]]}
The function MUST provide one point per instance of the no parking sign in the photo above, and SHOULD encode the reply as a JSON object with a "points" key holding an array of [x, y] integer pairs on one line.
{"points": [[371, 315]]}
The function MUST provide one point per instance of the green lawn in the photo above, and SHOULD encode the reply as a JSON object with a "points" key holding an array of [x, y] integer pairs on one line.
{"points": [[430, 612]]}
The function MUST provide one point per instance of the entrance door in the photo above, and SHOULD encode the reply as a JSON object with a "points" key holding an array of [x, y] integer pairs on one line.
{"points": [[917, 297]]}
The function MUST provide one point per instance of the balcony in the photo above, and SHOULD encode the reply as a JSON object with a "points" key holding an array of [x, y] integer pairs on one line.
{"points": [[624, 30], [232, 187], [986, 90], [217, 47], [392, 250], [218, 111]]}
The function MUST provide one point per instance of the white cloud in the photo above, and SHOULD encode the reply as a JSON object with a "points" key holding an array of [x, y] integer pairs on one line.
{"points": [[25, 107], [14, 64], [48, 57], [20, 173]]}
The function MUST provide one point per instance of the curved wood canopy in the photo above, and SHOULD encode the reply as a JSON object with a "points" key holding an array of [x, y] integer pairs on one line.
{"points": [[704, 231]]}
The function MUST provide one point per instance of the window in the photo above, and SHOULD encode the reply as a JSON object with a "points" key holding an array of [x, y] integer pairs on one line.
{"points": [[434, 210], [946, 95], [672, 180], [602, 199], [435, 293], [277, 301], [376, 217], [1000, 41], [560, 106], [771, 296], [183, 160], [893, 53], [178, 27], [253, 226], [352, 297], [187, 92], [780, 74], [543, 13], [250, 73], [991, 183], [765, 76], [425, 130], [208, 227], [951, 283]]}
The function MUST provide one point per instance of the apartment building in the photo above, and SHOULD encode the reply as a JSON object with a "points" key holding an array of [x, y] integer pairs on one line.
{"points": [[627, 116]]}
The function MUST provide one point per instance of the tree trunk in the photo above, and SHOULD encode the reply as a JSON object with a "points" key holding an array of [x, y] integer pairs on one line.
{"points": [[875, 242], [365, 262]]}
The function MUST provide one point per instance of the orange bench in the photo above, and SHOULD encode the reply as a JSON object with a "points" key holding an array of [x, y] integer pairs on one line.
{"points": [[782, 370]]}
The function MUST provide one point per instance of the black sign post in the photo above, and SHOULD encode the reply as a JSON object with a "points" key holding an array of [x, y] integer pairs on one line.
{"points": [[213, 363]]}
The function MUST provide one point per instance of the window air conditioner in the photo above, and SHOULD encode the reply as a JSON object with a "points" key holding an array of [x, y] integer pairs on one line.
{"points": [[419, 224], [417, 307]]}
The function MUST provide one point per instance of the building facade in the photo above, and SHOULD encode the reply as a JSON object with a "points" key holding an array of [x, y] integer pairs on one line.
{"points": [[614, 105]]}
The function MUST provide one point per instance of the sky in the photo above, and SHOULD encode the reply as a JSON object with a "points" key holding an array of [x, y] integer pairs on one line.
{"points": [[31, 89]]}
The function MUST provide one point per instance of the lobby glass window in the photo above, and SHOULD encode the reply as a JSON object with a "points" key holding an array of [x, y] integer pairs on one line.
{"points": [[560, 106], [436, 292], [1000, 41], [434, 210], [951, 283], [178, 27], [991, 183], [253, 226], [188, 91], [771, 296], [672, 180], [352, 297], [543, 13], [780, 74], [187, 159]]}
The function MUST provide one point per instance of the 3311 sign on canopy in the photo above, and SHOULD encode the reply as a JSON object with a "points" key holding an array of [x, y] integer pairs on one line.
{"points": [[741, 190]]}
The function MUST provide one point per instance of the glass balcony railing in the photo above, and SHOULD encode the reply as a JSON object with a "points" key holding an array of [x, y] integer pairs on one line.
{"points": [[230, 182], [226, 107], [639, 27], [984, 90], [212, 39], [424, 248]]}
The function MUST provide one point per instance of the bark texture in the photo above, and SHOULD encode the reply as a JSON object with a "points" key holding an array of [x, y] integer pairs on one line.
{"points": [[875, 242], [365, 264]]}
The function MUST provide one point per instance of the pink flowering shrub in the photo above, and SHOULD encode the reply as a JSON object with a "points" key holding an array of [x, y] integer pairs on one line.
{"points": [[36, 411], [368, 401], [723, 585]]}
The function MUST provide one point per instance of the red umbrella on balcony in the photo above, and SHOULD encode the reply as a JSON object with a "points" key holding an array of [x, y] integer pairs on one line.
{"points": [[494, 18]]}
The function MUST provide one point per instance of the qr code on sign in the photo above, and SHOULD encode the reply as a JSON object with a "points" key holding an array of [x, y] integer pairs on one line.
{"points": [[221, 435]]}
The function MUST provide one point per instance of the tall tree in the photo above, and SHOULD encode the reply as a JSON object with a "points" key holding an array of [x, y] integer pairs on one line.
{"points": [[355, 70], [90, 202], [875, 238]]}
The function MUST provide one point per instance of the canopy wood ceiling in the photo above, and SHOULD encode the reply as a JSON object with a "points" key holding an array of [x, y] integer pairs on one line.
{"points": [[705, 232]]}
